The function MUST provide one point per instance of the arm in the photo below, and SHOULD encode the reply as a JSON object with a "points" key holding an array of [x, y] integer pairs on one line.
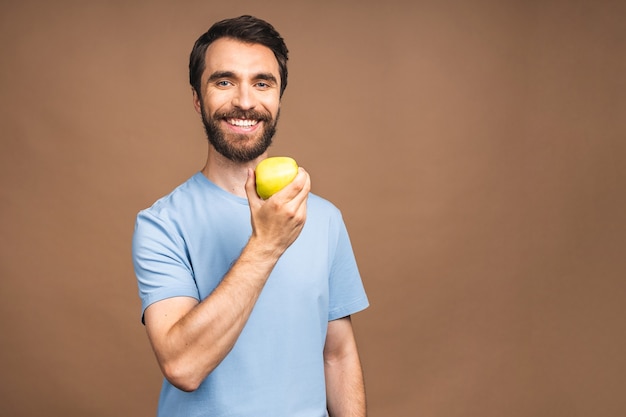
{"points": [[345, 390], [191, 338]]}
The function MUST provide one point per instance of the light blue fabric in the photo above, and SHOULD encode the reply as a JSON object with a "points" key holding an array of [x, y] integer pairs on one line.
{"points": [[186, 242]]}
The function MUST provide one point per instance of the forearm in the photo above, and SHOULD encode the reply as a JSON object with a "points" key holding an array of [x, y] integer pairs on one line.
{"points": [[345, 388], [196, 343]]}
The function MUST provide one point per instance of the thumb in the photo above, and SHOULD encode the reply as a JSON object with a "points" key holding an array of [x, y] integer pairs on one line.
{"points": [[251, 186]]}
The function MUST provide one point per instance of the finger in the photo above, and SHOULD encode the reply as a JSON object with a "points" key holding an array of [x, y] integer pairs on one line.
{"points": [[304, 189], [299, 202], [299, 185], [251, 187]]}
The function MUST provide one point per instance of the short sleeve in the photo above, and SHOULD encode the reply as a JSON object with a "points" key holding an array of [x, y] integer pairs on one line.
{"points": [[346, 292], [160, 261]]}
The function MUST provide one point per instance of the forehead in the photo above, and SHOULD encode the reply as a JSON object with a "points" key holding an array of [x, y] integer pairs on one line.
{"points": [[227, 54]]}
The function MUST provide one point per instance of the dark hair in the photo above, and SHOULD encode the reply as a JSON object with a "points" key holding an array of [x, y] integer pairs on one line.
{"points": [[248, 29]]}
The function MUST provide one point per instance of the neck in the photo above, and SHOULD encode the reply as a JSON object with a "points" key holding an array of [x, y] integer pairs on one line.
{"points": [[228, 175]]}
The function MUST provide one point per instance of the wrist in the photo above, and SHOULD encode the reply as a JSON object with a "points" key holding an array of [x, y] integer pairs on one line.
{"points": [[261, 252]]}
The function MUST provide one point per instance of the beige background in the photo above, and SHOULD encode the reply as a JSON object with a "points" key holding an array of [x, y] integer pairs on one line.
{"points": [[476, 148]]}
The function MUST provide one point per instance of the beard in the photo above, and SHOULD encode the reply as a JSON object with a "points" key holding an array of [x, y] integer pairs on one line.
{"points": [[240, 147]]}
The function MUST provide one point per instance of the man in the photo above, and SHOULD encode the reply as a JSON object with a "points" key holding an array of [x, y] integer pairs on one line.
{"points": [[247, 302]]}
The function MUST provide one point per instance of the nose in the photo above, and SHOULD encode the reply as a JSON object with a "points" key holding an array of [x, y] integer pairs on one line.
{"points": [[244, 97]]}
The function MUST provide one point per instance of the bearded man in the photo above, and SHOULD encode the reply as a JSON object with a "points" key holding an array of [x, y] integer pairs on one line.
{"points": [[247, 302]]}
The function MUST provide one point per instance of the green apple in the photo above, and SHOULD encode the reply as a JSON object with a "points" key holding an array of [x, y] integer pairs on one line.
{"points": [[273, 174]]}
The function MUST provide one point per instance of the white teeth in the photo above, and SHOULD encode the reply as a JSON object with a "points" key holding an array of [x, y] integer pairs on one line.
{"points": [[242, 123]]}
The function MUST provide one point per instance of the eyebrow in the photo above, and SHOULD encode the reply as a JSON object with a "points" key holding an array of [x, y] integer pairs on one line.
{"points": [[267, 77], [220, 74], [229, 74]]}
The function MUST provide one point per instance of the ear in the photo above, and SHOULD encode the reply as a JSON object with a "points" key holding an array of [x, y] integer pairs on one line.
{"points": [[196, 101]]}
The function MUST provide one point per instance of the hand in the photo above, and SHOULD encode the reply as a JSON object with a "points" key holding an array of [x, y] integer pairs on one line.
{"points": [[278, 221]]}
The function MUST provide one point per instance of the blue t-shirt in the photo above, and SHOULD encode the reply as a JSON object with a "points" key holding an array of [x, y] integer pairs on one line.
{"points": [[184, 245]]}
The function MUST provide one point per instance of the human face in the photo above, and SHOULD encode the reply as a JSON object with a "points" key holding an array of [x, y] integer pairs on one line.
{"points": [[240, 101]]}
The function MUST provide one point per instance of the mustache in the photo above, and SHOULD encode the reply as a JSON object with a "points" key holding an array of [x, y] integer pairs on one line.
{"points": [[244, 114]]}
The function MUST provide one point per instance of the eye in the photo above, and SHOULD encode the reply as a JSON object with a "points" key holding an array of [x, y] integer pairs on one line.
{"points": [[223, 83], [262, 84]]}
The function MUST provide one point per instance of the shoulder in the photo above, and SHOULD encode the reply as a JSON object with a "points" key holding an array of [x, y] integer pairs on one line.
{"points": [[324, 214], [322, 205], [184, 191], [176, 202]]}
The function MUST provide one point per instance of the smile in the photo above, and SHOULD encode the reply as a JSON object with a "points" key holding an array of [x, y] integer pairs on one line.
{"points": [[242, 122]]}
